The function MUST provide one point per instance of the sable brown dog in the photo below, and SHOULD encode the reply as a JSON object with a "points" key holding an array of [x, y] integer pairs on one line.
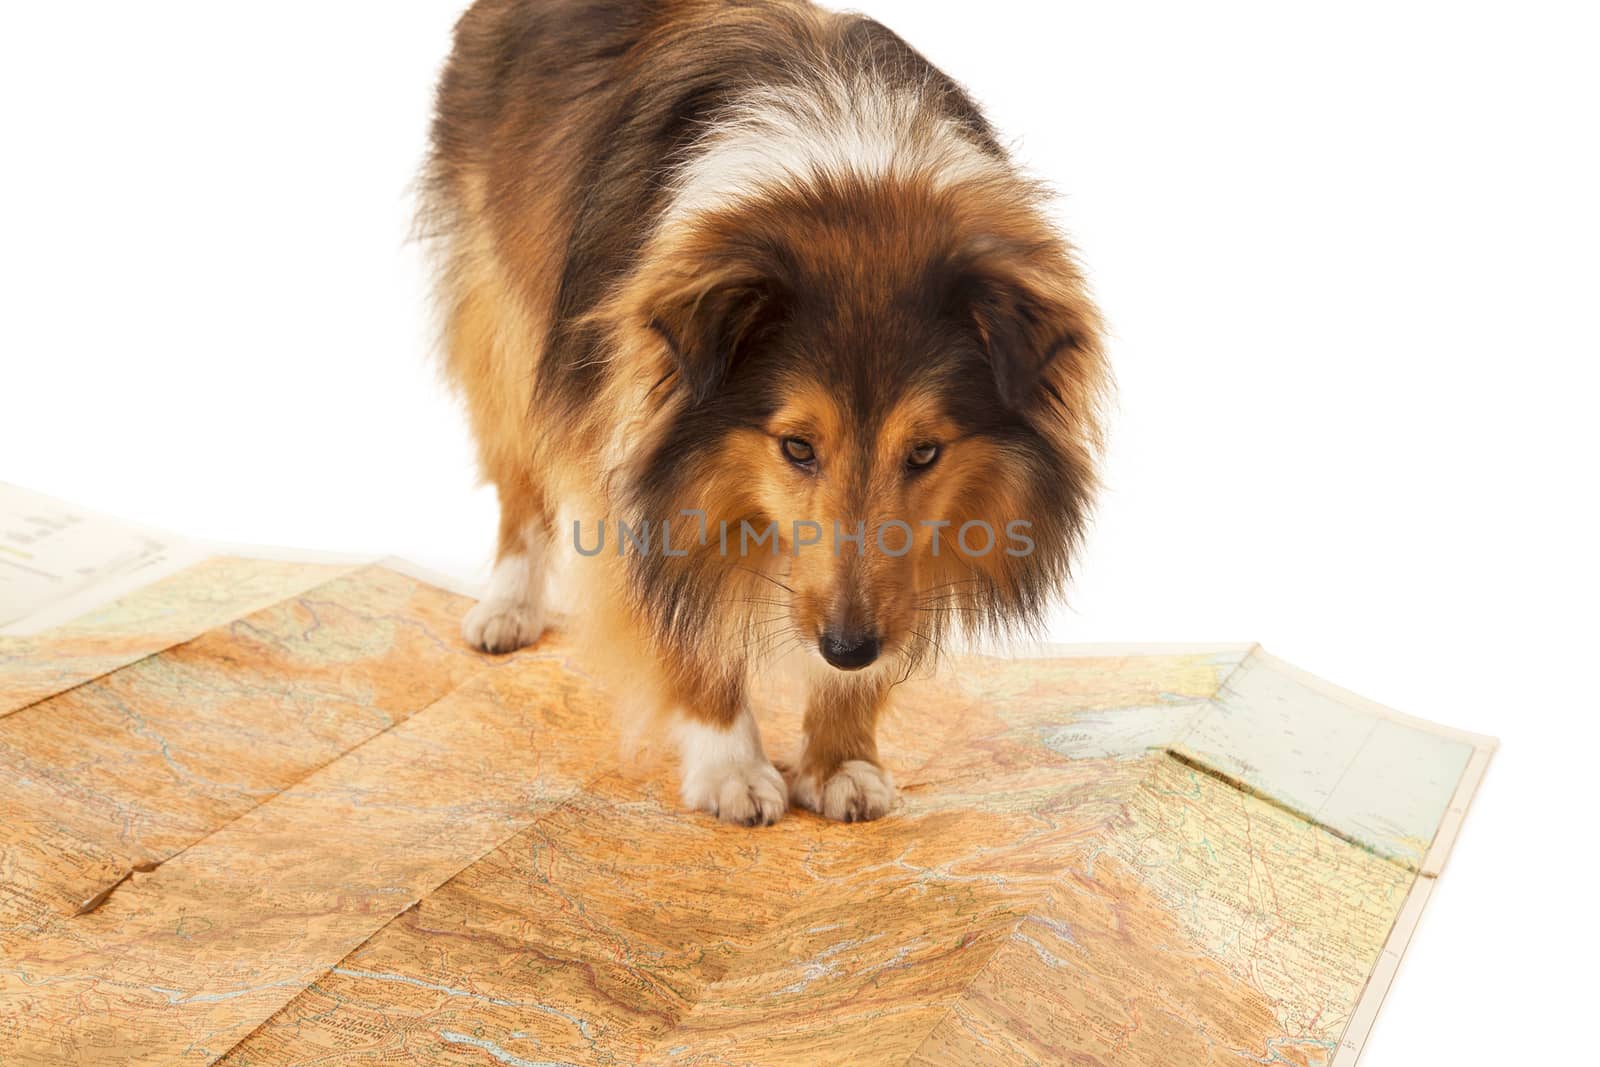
{"points": [[712, 267]]}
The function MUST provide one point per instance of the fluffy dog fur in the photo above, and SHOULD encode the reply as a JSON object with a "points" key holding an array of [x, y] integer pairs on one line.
{"points": [[759, 260]]}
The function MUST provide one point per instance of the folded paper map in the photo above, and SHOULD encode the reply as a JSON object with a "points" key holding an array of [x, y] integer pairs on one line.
{"points": [[261, 812]]}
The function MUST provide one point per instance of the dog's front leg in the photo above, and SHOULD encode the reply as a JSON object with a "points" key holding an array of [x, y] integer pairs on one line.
{"points": [[725, 770], [511, 614], [839, 775]]}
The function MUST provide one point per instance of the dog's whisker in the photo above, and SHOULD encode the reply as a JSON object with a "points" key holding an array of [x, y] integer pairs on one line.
{"points": [[764, 576]]}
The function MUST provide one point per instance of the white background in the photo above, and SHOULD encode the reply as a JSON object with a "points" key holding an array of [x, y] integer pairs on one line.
{"points": [[1349, 253]]}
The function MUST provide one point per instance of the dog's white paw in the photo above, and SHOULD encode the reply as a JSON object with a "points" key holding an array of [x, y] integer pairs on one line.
{"points": [[511, 614], [496, 625], [856, 792], [747, 792], [726, 772]]}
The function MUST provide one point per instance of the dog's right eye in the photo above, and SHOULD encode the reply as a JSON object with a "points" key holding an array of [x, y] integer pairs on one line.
{"points": [[798, 450]]}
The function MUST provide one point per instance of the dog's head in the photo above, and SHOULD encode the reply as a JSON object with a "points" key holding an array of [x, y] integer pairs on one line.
{"points": [[884, 399]]}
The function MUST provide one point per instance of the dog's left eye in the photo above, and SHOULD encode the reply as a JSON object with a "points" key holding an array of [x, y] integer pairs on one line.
{"points": [[922, 456]]}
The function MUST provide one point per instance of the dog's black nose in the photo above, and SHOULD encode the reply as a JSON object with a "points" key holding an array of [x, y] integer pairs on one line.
{"points": [[849, 651]]}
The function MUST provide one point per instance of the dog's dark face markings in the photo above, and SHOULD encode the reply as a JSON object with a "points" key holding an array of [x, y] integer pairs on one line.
{"points": [[851, 366]]}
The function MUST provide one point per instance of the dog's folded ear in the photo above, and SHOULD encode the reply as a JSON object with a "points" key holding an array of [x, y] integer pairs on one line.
{"points": [[1032, 315], [709, 319]]}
